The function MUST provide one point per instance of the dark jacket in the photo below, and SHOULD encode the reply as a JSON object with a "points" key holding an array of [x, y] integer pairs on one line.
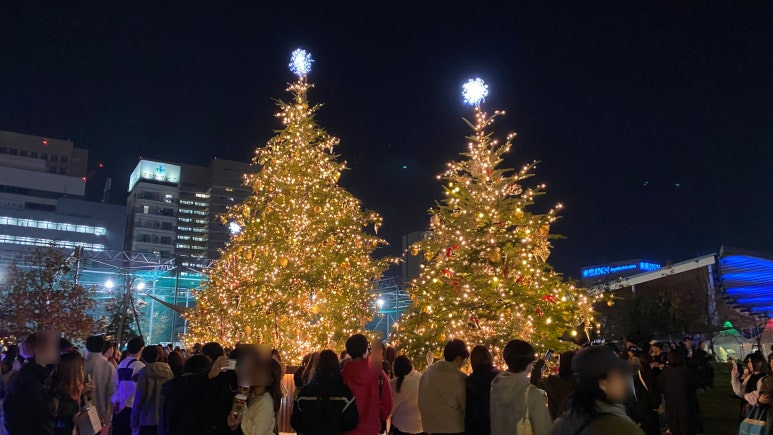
{"points": [[324, 408], [678, 384], [648, 397], [216, 399], [180, 402], [147, 398], [28, 404], [557, 388], [64, 414], [477, 419], [611, 419]]}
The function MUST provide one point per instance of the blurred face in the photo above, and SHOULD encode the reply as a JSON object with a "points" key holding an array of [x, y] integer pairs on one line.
{"points": [[47, 348], [749, 365], [617, 386]]}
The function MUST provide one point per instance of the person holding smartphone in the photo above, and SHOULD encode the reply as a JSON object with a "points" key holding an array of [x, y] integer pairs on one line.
{"points": [[558, 387]]}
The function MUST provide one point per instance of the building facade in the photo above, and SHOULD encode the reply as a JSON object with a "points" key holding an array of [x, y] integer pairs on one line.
{"points": [[174, 209], [42, 183]]}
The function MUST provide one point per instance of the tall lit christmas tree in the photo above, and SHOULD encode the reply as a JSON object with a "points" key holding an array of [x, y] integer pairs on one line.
{"points": [[297, 273], [485, 277]]}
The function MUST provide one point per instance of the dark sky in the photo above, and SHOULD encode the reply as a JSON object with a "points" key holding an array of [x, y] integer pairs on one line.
{"points": [[653, 120]]}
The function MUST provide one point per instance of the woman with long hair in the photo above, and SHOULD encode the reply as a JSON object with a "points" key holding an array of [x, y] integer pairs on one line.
{"points": [[69, 387], [406, 418], [477, 419], [747, 385], [596, 406], [264, 375], [310, 369], [325, 405]]}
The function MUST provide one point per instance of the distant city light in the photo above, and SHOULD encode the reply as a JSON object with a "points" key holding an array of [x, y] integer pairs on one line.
{"points": [[300, 62], [405, 166], [234, 228], [380, 303], [141, 286], [109, 284], [474, 91]]}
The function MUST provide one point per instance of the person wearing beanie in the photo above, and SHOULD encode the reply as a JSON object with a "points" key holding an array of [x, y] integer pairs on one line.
{"points": [[597, 405]]}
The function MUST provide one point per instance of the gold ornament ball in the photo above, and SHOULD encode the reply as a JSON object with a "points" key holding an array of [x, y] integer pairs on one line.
{"points": [[610, 303], [248, 330], [495, 257], [434, 220], [284, 261], [414, 252], [317, 209], [315, 309]]}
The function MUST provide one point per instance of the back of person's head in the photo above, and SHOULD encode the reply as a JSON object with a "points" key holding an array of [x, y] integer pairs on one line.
{"points": [[481, 359], [151, 354], [518, 354], [95, 344], [645, 360], [197, 363], [107, 347], [276, 355], [343, 355], [328, 369], [196, 348], [403, 367], [357, 346], [675, 358], [565, 364], [455, 349], [27, 346], [161, 354], [69, 373], [390, 354], [176, 362], [135, 345], [11, 354], [213, 350]]}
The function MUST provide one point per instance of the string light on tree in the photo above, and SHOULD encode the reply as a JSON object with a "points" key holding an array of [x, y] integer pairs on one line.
{"points": [[298, 270], [485, 277]]}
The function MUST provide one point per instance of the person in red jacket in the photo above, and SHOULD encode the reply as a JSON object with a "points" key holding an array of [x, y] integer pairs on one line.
{"points": [[370, 386]]}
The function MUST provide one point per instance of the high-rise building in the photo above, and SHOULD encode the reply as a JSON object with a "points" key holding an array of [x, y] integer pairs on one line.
{"points": [[42, 183], [411, 267], [174, 209]]}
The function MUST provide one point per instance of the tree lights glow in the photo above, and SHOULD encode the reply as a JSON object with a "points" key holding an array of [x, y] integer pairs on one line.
{"points": [[300, 62], [485, 277], [298, 274], [234, 228], [474, 91]]}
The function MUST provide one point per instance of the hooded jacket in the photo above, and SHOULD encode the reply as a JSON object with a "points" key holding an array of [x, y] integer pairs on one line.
{"points": [[610, 419], [147, 398], [511, 394], [477, 418], [363, 379], [442, 398]]}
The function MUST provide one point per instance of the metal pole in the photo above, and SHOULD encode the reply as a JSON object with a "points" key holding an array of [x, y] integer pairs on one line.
{"points": [[176, 289]]}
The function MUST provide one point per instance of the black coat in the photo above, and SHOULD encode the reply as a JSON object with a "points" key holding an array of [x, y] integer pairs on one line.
{"points": [[28, 404], [324, 408], [477, 419], [679, 385], [648, 397], [182, 405]]}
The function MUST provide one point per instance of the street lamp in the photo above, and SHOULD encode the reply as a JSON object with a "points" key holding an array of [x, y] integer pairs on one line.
{"points": [[109, 284]]}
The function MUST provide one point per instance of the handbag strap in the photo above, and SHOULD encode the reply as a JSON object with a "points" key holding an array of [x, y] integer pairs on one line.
{"points": [[526, 403], [642, 382]]}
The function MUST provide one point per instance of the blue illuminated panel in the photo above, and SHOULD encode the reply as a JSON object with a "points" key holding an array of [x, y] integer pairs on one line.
{"points": [[643, 266]]}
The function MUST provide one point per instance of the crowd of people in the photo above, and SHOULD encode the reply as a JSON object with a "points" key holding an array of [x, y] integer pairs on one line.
{"points": [[48, 387]]}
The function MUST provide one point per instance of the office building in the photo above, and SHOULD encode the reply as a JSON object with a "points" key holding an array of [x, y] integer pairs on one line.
{"points": [[174, 209], [42, 183]]}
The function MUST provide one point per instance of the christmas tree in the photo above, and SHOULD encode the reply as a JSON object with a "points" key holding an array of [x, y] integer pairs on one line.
{"points": [[485, 277], [297, 273]]}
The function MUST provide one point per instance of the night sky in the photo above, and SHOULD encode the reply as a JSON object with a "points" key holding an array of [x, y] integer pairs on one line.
{"points": [[653, 120]]}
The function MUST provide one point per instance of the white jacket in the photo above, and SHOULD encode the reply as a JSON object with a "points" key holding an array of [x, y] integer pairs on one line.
{"points": [[509, 401], [442, 398], [405, 404]]}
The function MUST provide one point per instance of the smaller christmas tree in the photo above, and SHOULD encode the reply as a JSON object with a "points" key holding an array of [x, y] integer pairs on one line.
{"points": [[486, 279]]}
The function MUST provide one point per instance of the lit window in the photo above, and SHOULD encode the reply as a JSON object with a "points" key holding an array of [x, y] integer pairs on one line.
{"points": [[35, 241], [185, 219], [146, 209], [48, 225], [202, 195], [229, 189]]}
